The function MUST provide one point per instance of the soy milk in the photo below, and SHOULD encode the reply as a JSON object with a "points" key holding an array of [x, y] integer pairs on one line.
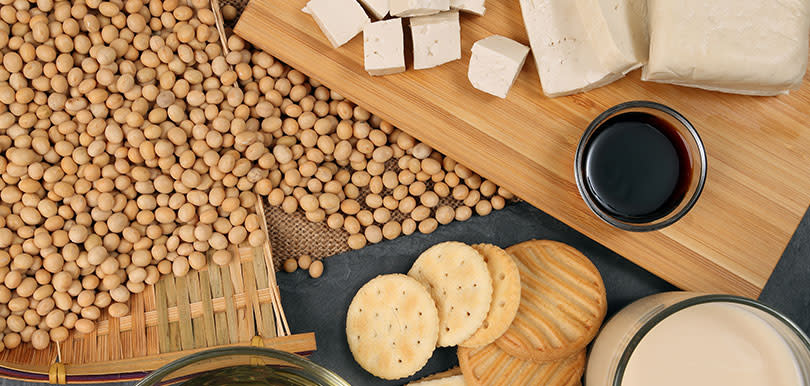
{"points": [[712, 344], [683, 338]]}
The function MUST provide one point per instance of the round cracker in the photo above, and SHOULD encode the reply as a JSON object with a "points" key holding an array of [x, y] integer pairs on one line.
{"points": [[562, 302], [458, 279], [505, 295], [489, 365], [392, 326]]}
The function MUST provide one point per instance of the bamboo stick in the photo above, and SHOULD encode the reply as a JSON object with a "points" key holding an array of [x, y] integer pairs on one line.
{"points": [[207, 310], [281, 325]]}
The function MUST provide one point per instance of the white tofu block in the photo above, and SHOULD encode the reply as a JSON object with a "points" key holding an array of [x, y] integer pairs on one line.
{"points": [[340, 20], [495, 64], [471, 6], [410, 8], [436, 39], [565, 58], [384, 47], [617, 30], [378, 8], [748, 47]]}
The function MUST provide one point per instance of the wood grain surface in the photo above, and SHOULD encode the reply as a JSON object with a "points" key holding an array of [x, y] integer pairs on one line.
{"points": [[758, 147]]}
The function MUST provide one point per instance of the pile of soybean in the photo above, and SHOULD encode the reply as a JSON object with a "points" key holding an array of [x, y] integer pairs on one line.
{"points": [[133, 146]]}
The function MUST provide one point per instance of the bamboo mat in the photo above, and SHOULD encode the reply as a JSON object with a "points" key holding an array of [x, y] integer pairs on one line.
{"points": [[217, 306]]}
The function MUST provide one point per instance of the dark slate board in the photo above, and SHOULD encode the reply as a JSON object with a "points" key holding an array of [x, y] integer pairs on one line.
{"points": [[320, 304]]}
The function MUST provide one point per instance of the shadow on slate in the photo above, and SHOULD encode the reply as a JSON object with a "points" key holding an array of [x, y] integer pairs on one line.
{"points": [[320, 304]]}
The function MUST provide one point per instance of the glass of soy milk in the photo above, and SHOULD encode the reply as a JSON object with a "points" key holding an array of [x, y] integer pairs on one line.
{"points": [[683, 338]]}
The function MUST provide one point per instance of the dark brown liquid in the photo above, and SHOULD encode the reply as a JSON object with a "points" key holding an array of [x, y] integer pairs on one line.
{"points": [[637, 167]]}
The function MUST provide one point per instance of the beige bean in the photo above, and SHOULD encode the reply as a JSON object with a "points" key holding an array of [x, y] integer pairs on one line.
{"points": [[357, 241], [420, 213], [304, 261], [222, 257], [408, 226], [118, 310], [290, 265], [316, 269], [483, 208], [391, 230], [463, 213], [428, 226], [445, 214], [373, 234], [85, 326]]}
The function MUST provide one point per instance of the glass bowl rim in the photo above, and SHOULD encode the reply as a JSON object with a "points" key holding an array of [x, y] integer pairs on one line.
{"points": [[580, 178], [322, 375], [666, 312]]}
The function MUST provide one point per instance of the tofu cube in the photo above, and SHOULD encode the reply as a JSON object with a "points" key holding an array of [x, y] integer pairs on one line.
{"points": [[378, 8], [472, 6], [340, 20], [436, 39], [751, 47], [410, 8], [495, 64], [384, 47]]}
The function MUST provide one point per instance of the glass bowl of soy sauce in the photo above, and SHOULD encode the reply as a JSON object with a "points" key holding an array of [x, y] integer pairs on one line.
{"points": [[242, 366], [640, 166]]}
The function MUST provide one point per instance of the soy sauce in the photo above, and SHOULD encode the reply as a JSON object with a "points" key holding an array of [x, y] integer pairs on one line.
{"points": [[637, 167]]}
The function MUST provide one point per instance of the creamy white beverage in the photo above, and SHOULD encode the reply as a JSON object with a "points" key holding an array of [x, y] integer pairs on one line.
{"points": [[709, 340], [712, 344]]}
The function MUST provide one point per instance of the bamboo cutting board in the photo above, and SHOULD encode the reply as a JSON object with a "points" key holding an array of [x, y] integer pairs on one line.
{"points": [[758, 184]]}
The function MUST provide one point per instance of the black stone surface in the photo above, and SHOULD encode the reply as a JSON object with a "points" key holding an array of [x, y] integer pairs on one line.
{"points": [[320, 304]]}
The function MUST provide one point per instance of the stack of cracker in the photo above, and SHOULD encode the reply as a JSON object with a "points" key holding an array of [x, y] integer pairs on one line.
{"points": [[453, 295], [470, 297], [561, 309]]}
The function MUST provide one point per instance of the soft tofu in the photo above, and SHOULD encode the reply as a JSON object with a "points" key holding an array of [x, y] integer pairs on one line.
{"points": [[565, 58], [409, 8], [340, 20], [379, 8], [472, 6], [495, 64], [617, 30], [749, 47], [384, 47], [436, 39]]}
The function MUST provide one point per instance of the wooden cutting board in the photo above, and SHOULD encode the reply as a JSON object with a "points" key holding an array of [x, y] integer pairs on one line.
{"points": [[758, 184]]}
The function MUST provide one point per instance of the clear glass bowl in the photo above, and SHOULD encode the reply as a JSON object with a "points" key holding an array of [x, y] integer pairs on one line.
{"points": [[243, 366], [694, 146], [622, 334]]}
